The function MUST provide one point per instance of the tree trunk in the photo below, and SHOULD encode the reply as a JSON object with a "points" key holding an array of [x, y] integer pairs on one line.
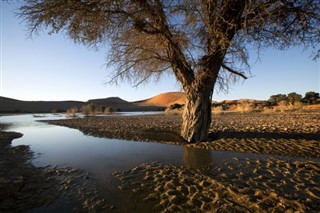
{"points": [[196, 117]]}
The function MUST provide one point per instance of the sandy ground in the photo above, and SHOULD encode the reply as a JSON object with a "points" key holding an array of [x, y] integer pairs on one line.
{"points": [[239, 186]]}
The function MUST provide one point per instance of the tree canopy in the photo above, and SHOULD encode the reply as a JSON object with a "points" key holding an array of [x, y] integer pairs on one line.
{"points": [[146, 37]]}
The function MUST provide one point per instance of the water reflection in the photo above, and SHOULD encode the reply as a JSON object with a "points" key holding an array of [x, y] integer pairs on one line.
{"points": [[196, 158], [62, 146]]}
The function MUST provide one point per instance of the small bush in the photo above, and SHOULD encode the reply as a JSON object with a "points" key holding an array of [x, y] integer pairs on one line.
{"points": [[245, 107], [72, 112], [282, 106], [173, 111], [267, 110], [176, 106], [110, 110], [86, 110], [102, 109], [285, 106], [297, 105]]}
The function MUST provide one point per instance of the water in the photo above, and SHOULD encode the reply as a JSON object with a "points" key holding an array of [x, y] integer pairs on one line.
{"points": [[56, 145]]}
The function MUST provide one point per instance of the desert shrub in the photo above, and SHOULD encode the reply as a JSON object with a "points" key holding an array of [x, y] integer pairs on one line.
{"points": [[86, 110], [169, 111], [110, 110], [294, 97], [267, 110], [298, 105], [276, 99], [311, 98], [217, 110], [92, 108], [245, 107], [102, 109], [72, 112], [282, 106], [285, 106], [176, 106]]}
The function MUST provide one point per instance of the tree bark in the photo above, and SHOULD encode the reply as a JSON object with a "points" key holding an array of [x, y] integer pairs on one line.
{"points": [[196, 118]]}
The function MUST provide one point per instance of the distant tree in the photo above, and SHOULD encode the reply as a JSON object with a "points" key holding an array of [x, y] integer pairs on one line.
{"points": [[110, 110], [176, 106], [294, 98], [102, 108], [92, 108], [276, 99], [311, 97], [86, 110], [202, 42]]}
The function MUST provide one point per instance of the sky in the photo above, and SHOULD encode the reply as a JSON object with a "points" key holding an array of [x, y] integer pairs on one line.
{"points": [[52, 68]]}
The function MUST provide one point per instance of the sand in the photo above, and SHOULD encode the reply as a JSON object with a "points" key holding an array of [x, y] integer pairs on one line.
{"points": [[239, 186]]}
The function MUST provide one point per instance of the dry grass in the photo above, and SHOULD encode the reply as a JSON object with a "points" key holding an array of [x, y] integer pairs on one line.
{"points": [[217, 110], [245, 107], [267, 110], [284, 106]]}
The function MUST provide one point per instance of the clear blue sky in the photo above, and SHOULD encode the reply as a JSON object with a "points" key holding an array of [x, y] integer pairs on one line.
{"points": [[55, 68]]}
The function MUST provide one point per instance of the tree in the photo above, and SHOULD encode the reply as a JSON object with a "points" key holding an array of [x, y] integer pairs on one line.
{"points": [[202, 42], [294, 97], [276, 99], [92, 108], [311, 97], [102, 108]]}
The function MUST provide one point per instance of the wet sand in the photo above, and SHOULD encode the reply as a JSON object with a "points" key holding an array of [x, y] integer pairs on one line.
{"points": [[238, 186]]}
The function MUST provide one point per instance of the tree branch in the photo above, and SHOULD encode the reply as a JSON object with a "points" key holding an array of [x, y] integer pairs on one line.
{"points": [[241, 74]]}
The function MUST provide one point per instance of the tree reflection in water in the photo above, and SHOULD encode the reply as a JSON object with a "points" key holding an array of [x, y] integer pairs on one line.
{"points": [[196, 158]]}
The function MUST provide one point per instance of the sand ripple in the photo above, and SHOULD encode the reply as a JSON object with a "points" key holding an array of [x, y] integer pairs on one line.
{"points": [[238, 186]]}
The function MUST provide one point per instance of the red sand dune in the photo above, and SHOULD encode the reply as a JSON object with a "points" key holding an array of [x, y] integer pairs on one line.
{"points": [[164, 99]]}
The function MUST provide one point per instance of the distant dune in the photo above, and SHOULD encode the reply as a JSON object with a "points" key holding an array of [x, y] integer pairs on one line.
{"points": [[12, 105], [9, 105], [123, 105], [164, 99]]}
